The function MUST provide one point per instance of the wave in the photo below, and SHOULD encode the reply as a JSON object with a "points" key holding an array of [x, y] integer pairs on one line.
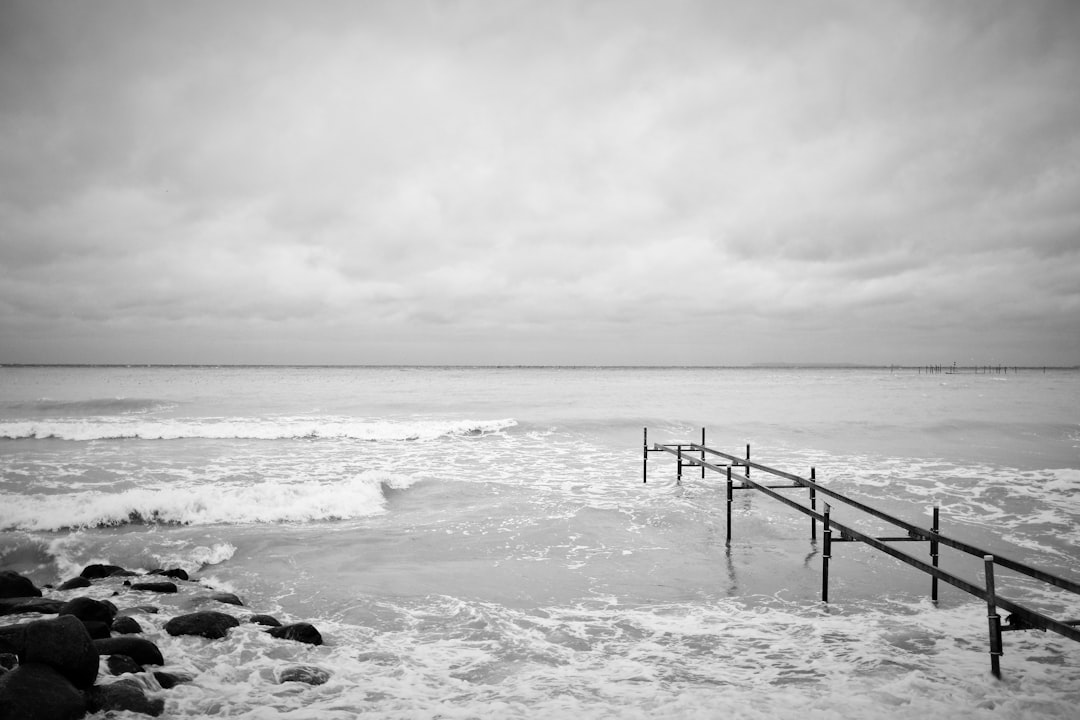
{"points": [[267, 502], [92, 407], [283, 428]]}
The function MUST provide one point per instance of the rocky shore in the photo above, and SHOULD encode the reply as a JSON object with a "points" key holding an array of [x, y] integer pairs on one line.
{"points": [[82, 647]]}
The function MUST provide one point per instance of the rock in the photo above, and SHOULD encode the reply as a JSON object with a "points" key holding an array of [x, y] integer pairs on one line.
{"points": [[170, 680], [8, 660], [42, 606], [74, 583], [138, 649], [300, 632], [161, 587], [227, 598], [63, 644], [96, 629], [14, 585], [206, 623], [124, 695], [126, 625], [148, 609], [304, 673], [89, 609], [268, 620], [175, 573], [95, 572], [11, 638], [120, 664], [38, 692]]}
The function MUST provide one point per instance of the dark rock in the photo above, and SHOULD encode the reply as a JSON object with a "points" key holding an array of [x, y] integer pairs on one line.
{"points": [[8, 660], [206, 623], [227, 598], [89, 609], [126, 625], [300, 632], [12, 638], [124, 695], [96, 629], [170, 680], [95, 572], [138, 649], [73, 583], [268, 620], [304, 673], [120, 664], [148, 609], [161, 587], [123, 573], [175, 573], [14, 585], [42, 606], [34, 691], [64, 644]]}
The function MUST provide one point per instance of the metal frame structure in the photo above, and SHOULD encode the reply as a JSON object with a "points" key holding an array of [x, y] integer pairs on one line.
{"points": [[1021, 617]]}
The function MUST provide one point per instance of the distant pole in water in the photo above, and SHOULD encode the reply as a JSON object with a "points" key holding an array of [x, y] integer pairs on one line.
{"points": [[993, 619], [730, 493], [703, 453], [813, 505], [934, 529], [645, 457], [825, 557]]}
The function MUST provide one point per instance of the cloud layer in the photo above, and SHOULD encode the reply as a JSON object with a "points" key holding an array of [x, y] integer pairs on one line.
{"points": [[527, 182]]}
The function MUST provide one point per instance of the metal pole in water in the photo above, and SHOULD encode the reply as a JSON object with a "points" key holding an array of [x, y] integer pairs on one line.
{"points": [[747, 459], [678, 479], [813, 505], [993, 619], [645, 457], [702, 454], [729, 498], [827, 533], [934, 528]]}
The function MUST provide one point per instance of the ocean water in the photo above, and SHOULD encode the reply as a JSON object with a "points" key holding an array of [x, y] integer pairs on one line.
{"points": [[478, 542]]}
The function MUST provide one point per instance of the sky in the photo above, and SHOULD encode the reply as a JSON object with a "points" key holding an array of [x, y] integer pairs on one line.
{"points": [[540, 182]]}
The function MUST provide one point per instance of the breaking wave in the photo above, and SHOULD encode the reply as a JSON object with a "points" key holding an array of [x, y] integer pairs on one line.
{"points": [[281, 428]]}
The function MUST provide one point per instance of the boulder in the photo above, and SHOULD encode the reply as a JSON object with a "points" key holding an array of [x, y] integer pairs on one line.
{"points": [[161, 587], [96, 629], [95, 572], [138, 649], [126, 625], [170, 680], [147, 609], [227, 598], [11, 639], [14, 585], [304, 673], [89, 610], [174, 573], [300, 632], [74, 583], [37, 691], [8, 661], [18, 606], [124, 695], [267, 620], [63, 644], [206, 623], [120, 664]]}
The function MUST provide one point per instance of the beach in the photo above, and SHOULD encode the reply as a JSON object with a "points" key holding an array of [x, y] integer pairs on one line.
{"points": [[478, 542]]}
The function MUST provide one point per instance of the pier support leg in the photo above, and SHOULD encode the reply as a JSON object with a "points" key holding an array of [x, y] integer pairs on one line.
{"points": [[702, 454], [645, 457], [747, 459], [934, 528], [813, 505], [993, 620], [730, 494], [826, 555], [678, 478]]}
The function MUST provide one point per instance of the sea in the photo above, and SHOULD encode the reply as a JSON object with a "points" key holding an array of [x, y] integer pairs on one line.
{"points": [[493, 542]]}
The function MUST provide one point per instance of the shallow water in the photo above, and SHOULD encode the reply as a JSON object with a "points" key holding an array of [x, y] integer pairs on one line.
{"points": [[478, 541]]}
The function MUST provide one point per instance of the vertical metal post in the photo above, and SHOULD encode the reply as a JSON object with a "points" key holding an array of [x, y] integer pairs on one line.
{"points": [[730, 493], [645, 457], [678, 480], [934, 528], [993, 619], [827, 533], [747, 459], [813, 505], [702, 454]]}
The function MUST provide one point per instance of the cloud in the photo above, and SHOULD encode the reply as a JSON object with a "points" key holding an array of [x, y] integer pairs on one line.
{"points": [[397, 182]]}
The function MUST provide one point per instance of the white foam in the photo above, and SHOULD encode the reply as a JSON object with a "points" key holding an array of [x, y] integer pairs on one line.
{"points": [[277, 428]]}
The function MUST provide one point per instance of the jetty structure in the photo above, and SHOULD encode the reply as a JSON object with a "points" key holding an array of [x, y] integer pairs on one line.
{"points": [[736, 470]]}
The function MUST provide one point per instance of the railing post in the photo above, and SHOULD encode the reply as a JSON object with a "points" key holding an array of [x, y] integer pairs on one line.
{"points": [[678, 479], [993, 619], [702, 454], [645, 457], [730, 493], [934, 528], [813, 505], [747, 459], [827, 533]]}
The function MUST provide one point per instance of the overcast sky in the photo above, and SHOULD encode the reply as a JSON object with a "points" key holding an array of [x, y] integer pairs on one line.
{"points": [[540, 182]]}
